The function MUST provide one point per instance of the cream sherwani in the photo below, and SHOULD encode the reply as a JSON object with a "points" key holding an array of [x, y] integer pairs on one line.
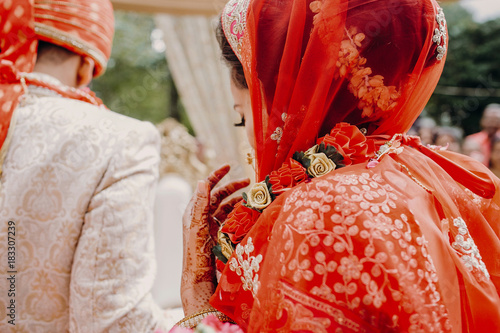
{"points": [[78, 182]]}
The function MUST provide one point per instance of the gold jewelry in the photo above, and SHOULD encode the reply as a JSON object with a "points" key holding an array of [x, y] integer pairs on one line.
{"points": [[419, 183], [250, 158], [193, 320]]}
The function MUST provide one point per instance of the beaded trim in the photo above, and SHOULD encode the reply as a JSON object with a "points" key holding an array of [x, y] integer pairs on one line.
{"points": [[440, 35], [234, 23], [70, 22], [419, 183], [46, 31]]}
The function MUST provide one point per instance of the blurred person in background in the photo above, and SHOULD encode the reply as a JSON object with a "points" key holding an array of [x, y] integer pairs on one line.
{"points": [[490, 124], [495, 156], [449, 137], [473, 149], [425, 127]]}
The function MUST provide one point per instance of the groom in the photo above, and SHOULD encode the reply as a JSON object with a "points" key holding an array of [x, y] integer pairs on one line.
{"points": [[77, 181]]}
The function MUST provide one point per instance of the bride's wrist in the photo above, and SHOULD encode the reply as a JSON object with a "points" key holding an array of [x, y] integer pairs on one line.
{"points": [[193, 320]]}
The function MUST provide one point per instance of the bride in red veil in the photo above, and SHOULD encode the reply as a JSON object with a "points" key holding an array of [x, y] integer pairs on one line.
{"points": [[353, 226]]}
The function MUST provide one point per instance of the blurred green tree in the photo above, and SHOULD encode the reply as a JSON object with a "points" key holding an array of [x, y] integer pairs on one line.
{"points": [[137, 82], [471, 77]]}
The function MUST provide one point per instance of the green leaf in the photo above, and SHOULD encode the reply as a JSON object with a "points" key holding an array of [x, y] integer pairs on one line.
{"points": [[217, 251], [298, 156], [270, 188], [306, 163]]}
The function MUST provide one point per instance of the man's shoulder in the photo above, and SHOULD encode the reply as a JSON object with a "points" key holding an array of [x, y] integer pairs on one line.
{"points": [[64, 112]]}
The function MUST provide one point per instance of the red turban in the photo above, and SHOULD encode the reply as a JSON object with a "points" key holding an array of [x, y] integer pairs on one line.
{"points": [[85, 27]]}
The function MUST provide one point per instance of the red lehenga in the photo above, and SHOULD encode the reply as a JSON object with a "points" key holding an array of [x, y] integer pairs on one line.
{"points": [[390, 235]]}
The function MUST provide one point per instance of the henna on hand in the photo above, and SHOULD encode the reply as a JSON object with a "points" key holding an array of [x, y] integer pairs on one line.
{"points": [[199, 234]]}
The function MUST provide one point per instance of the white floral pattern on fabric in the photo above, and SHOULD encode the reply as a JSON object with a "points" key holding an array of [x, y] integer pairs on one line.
{"points": [[468, 250], [248, 268], [277, 135], [440, 35], [375, 242]]}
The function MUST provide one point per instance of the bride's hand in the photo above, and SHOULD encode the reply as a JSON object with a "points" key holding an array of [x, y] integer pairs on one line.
{"points": [[201, 221]]}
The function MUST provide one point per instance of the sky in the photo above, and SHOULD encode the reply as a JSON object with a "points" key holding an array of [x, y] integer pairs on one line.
{"points": [[483, 10]]}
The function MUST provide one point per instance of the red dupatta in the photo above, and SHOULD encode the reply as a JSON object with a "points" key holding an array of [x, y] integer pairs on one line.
{"points": [[311, 65], [314, 64]]}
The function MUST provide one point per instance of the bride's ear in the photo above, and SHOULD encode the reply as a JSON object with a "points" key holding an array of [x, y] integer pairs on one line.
{"points": [[85, 72]]}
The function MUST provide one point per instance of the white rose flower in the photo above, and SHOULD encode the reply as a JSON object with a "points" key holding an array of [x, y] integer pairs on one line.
{"points": [[320, 165], [225, 243], [259, 196], [311, 151]]}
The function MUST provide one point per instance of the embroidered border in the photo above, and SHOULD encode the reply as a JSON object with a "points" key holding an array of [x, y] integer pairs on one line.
{"points": [[337, 314], [234, 23], [440, 35], [53, 33]]}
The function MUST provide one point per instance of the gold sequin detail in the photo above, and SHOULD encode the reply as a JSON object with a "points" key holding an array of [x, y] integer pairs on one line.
{"points": [[419, 183], [52, 33]]}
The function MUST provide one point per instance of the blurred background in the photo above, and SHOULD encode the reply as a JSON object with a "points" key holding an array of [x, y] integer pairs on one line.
{"points": [[166, 68], [141, 81]]}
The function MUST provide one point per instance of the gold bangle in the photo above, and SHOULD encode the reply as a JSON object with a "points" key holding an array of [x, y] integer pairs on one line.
{"points": [[193, 320]]}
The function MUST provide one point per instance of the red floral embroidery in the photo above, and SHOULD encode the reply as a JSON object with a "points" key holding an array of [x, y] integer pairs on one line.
{"points": [[350, 142], [239, 222], [290, 174]]}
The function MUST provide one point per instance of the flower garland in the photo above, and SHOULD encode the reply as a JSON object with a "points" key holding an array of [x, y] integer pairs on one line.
{"points": [[344, 146]]}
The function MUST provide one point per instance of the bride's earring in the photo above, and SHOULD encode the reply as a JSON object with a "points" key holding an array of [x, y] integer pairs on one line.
{"points": [[251, 159]]}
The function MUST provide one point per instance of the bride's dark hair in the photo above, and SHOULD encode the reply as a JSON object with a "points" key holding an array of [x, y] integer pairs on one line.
{"points": [[237, 74]]}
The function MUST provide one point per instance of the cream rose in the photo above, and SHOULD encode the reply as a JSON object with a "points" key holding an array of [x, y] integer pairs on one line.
{"points": [[225, 243], [320, 165], [311, 151], [259, 196]]}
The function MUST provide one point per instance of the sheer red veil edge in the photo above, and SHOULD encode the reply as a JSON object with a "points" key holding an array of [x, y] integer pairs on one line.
{"points": [[311, 65], [17, 54]]}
